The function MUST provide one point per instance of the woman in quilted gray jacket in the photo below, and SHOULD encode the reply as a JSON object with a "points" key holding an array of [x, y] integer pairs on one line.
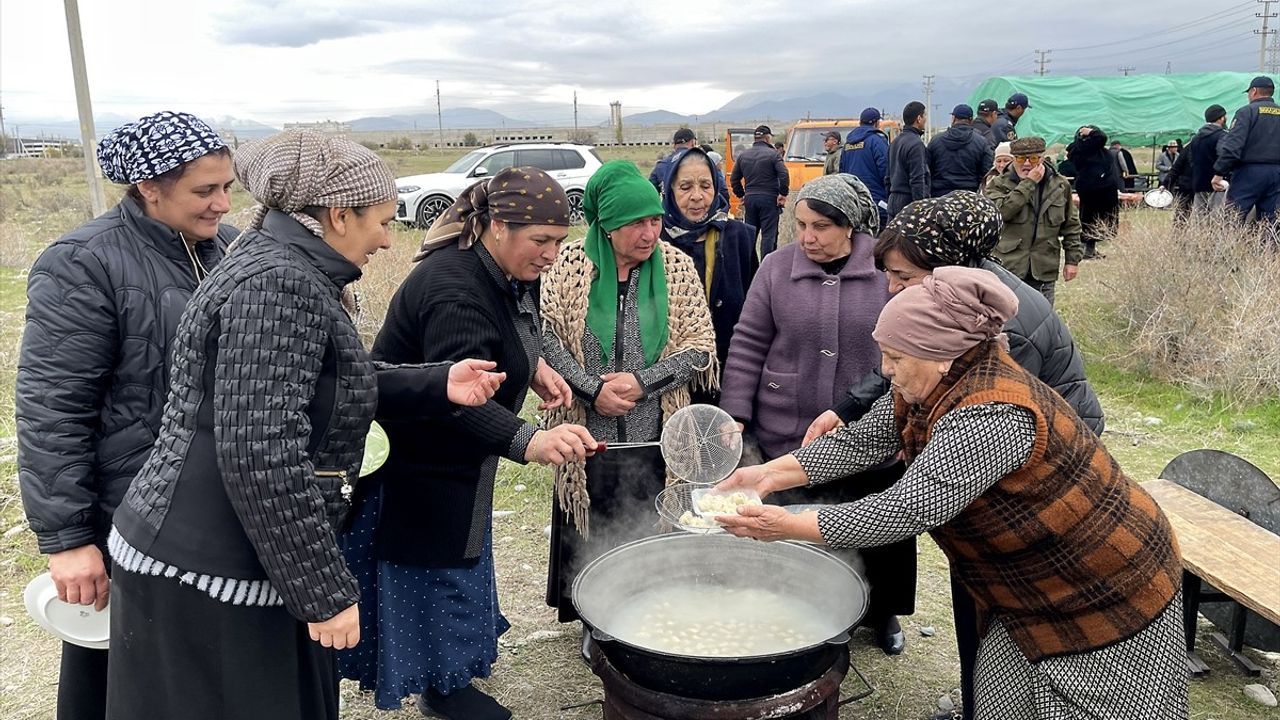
{"points": [[226, 565]]}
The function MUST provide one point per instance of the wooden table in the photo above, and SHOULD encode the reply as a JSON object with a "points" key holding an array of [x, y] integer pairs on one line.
{"points": [[1227, 551]]}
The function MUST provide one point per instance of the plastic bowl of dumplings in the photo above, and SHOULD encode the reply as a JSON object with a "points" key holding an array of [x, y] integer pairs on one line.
{"points": [[693, 508]]}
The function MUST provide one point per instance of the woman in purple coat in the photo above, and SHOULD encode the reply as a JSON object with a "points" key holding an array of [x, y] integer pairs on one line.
{"points": [[804, 336]]}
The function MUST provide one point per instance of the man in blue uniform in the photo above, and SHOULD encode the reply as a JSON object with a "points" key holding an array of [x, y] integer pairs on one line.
{"points": [[866, 156], [1249, 154], [1003, 129]]}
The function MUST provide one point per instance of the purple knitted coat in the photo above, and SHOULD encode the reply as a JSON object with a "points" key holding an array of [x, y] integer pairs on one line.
{"points": [[804, 337]]}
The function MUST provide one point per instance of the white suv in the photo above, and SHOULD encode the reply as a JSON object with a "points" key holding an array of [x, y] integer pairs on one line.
{"points": [[424, 197]]}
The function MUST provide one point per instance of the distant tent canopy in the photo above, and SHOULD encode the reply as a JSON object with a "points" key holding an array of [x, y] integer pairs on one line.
{"points": [[1137, 110]]}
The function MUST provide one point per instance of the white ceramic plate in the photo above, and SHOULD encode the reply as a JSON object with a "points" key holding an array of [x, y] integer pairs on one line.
{"points": [[77, 624], [1158, 198]]}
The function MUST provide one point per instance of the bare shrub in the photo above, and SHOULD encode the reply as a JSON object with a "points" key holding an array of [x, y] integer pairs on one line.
{"points": [[1198, 303], [381, 278]]}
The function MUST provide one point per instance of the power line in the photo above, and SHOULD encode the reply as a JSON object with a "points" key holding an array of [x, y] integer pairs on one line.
{"points": [[1166, 31], [1200, 35], [1184, 52]]}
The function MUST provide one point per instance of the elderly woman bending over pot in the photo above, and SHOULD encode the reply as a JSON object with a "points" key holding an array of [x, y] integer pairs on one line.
{"points": [[1073, 567], [628, 327]]}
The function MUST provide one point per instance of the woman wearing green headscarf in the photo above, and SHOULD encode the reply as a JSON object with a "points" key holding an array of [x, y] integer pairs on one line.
{"points": [[627, 325]]}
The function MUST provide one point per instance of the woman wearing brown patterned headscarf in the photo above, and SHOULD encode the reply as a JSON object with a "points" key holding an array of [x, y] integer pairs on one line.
{"points": [[227, 568], [421, 543]]}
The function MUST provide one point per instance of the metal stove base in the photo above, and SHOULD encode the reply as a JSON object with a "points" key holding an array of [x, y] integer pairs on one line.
{"points": [[816, 700]]}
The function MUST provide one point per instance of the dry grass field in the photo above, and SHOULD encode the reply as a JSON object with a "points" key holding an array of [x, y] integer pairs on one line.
{"points": [[539, 671]]}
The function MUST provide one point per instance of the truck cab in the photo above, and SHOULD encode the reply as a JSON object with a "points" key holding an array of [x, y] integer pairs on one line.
{"points": [[805, 151]]}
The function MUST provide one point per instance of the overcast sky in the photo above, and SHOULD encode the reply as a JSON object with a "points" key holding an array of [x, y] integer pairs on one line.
{"points": [[279, 60]]}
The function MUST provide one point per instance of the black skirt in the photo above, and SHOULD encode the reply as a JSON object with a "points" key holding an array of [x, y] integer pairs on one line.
{"points": [[890, 569], [623, 485], [178, 653]]}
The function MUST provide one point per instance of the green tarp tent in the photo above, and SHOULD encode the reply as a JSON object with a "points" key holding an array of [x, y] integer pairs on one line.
{"points": [[1138, 110]]}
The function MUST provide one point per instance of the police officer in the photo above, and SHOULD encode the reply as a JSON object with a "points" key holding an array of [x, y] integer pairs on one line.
{"points": [[866, 156], [988, 113], [1002, 130], [1249, 154]]}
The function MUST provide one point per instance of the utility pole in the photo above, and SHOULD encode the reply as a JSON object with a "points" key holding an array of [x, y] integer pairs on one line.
{"points": [[575, 116], [1042, 61], [928, 102], [4, 139], [96, 199], [439, 115], [1126, 69], [1266, 15]]}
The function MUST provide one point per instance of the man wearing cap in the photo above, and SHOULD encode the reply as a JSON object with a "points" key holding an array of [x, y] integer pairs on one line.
{"points": [[1200, 155], [866, 157], [909, 160], [831, 142], [1035, 202], [987, 114], [1249, 154], [959, 157], [1124, 161], [1002, 130], [1164, 161], [760, 179], [682, 140]]}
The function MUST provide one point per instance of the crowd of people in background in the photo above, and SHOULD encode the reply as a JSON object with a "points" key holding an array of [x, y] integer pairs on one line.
{"points": [[235, 511]]}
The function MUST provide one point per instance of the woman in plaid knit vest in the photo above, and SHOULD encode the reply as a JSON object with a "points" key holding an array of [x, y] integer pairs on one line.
{"points": [[1074, 568]]}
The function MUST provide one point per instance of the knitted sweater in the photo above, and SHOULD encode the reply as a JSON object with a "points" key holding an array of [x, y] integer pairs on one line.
{"points": [[803, 338], [1071, 553]]}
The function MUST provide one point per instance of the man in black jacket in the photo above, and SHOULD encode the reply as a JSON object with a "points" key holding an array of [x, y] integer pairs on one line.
{"points": [[1250, 154], [767, 185], [1202, 154], [909, 161], [960, 157], [987, 114], [1003, 129], [682, 140], [1124, 161]]}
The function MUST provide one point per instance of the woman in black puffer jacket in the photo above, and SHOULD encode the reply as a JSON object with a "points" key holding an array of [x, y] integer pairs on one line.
{"points": [[226, 564], [103, 302], [1097, 184]]}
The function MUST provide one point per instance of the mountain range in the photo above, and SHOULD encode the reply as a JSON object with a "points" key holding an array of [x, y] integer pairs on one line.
{"points": [[747, 108]]}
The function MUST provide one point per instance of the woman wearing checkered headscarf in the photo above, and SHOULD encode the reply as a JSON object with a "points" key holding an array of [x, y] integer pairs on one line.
{"points": [[102, 305], [224, 548]]}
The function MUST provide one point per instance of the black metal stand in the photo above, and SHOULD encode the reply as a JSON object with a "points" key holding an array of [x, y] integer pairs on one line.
{"points": [[1192, 597]]}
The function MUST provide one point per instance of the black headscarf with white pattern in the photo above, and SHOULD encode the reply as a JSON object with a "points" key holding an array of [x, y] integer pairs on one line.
{"points": [[154, 145], [959, 228]]}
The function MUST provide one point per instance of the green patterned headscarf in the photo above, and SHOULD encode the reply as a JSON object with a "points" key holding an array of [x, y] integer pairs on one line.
{"points": [[616, 195]]}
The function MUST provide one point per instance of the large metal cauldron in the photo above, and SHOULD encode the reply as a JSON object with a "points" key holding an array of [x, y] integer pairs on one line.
{"points": [[674, 560]]}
